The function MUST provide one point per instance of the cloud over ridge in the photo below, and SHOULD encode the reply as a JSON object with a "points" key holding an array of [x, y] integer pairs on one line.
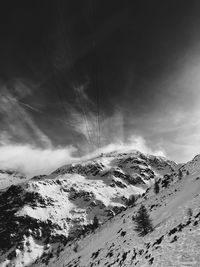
{"points": [[34, 161]]}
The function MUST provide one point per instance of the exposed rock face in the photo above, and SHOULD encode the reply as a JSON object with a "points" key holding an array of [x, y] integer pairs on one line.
{"points": [[58, 207]]}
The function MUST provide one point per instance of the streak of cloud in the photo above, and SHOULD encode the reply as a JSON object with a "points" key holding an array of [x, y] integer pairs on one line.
{"points": [[17, 122]]}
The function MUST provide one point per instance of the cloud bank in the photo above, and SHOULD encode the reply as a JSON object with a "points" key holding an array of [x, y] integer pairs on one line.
{"points": [[34, 161]]}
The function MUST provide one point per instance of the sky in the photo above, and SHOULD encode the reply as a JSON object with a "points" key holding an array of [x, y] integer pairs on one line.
{"points": [[83, 76]]}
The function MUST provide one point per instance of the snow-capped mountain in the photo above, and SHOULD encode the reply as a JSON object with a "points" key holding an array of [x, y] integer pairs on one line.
{"points": [[174, 241], [10, 177], [47, 211]]}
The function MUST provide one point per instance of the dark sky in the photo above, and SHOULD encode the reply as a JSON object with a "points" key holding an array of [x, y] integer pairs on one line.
{"points": [[89, 73]]}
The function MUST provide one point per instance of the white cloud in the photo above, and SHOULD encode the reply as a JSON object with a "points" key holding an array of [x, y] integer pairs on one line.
{"points": [[133, 143], [98, 129], [139, 143], [34, 161]]}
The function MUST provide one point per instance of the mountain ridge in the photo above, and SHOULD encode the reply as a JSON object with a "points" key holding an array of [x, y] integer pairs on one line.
{"points": [[53, 210], [174, 241]]}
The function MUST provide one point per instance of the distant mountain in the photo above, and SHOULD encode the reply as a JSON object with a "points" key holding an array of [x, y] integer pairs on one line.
{"points": [[45, 213], [10, 177]]}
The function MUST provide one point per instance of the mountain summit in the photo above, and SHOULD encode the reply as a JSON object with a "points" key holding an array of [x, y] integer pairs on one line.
{"points": [[42, 215]]}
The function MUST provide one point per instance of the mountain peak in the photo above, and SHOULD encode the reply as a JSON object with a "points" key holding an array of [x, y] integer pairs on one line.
{"points": [[60, 206]]}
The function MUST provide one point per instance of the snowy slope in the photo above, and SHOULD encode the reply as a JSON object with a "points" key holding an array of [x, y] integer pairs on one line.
{"points": [[192, 166], [173, 242], [49, 211], [8, 178]]}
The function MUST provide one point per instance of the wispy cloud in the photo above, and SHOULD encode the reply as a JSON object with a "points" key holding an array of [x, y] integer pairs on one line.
{"points": [[97, 129], [103, 132], [29, 106], [17, 121], [134, 142]]}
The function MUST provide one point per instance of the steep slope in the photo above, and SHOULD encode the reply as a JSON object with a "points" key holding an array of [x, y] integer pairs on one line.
{"points": [[45, 212], [175, 214], [192, 166]]}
